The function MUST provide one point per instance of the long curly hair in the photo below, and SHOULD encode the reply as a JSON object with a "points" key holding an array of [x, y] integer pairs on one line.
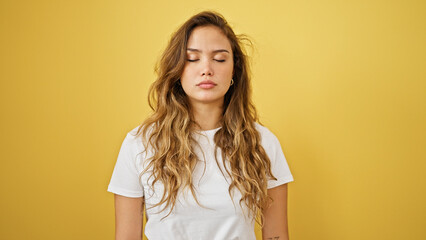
{"points": [[168, 130]]}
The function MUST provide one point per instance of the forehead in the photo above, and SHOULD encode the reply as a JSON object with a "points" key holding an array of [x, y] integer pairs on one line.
{"points": [[208, 39]]}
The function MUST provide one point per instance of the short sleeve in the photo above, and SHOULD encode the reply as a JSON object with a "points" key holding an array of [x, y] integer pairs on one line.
{"points": [[125, 177], [279, 165]]}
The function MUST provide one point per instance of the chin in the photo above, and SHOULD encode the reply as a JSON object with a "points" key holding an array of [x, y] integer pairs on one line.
{"points": [[208, 100]]}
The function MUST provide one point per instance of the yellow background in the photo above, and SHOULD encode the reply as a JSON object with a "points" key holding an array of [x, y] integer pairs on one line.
{"points": [[341, 83]]}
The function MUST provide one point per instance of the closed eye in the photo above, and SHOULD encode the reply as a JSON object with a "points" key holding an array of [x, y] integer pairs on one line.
{"points": [[194, 60]]}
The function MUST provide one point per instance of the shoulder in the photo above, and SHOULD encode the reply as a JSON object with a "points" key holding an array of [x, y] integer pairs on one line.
{"points": [[137, 140], [269, 141], [132, 141], [266, 135], [134, 131], [133, 147]]}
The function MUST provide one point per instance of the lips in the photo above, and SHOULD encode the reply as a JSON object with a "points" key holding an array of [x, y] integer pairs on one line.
{"points": [[206, 84]]}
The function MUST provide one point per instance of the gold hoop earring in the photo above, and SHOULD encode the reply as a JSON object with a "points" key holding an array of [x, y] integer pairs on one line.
{"points": [[232, 81]]}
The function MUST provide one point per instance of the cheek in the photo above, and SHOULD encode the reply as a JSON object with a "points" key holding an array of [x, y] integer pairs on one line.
{"points": [[228, 70], [184, 72], [186, 80], [230, 67], [188, 73]]}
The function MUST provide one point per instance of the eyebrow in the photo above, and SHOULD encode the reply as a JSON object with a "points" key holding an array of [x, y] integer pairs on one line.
{"points": [[214, 51]]}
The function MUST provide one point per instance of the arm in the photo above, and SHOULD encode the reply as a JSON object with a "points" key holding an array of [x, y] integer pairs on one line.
{"points": [[275, 225], [128, 217]]}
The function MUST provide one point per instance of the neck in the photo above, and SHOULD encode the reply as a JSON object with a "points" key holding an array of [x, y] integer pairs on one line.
{"points": [[207, 115]]}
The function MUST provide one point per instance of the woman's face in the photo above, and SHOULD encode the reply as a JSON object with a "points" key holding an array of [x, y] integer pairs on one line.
{"points": [[209, 66]]}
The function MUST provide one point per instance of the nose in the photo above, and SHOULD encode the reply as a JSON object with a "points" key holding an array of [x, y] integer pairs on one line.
{"points": [[207, 69]]}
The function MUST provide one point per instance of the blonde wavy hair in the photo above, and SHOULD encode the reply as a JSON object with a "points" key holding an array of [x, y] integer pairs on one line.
{"points": [[168, 130]]}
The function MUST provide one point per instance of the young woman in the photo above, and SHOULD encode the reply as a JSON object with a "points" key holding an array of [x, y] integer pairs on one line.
{"points": [[201, 165]]}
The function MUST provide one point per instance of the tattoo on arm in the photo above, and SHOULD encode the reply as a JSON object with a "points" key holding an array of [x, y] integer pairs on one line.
{"points": [[274, 238]]}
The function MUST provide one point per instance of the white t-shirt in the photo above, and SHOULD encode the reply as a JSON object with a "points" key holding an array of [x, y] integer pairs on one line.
{"points": [[220, 218]]}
